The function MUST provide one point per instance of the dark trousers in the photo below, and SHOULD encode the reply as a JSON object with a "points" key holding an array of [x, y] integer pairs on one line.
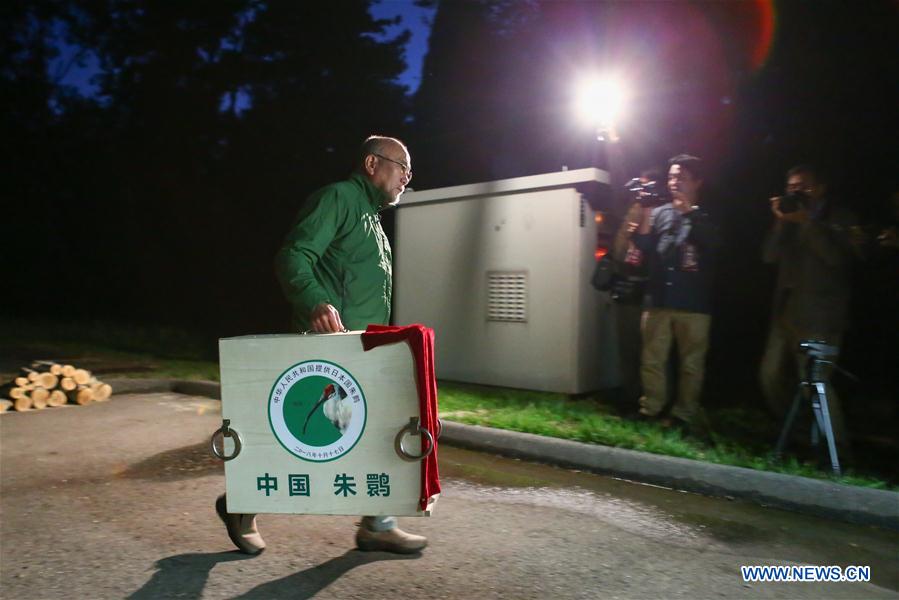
{"points": [[782, 368]]}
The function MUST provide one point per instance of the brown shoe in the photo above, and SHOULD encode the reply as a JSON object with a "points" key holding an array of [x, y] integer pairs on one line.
{"points": [[241, 528], [393, 540]]}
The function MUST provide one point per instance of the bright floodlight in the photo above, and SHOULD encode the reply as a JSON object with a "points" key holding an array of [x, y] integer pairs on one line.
{"points": [[599, 102]]}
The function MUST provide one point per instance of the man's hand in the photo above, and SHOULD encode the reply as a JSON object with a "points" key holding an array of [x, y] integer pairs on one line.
{"points": [[680, 204], [801, 215], [326, 319], [632, 219], [646, 221], [639, 221]]}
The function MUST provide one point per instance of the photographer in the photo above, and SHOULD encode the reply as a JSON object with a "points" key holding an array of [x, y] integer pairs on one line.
{"points": [[629, 287], [811, 241], [680, 243]]}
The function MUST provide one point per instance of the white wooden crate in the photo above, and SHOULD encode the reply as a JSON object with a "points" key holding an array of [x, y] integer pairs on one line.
{"points": [[291, 462]]}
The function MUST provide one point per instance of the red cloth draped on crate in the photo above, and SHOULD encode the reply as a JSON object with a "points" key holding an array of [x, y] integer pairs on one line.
{"points": [[421, 342]]}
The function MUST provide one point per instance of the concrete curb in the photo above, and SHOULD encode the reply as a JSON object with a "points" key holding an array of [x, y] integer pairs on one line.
{"points": [[823, 498], [802, 494]]}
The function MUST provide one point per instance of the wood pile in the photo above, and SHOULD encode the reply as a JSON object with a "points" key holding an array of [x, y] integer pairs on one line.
{"points": [[47, 384]]}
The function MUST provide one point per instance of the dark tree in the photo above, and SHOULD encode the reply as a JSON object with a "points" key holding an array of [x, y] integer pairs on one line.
{"points": [[167, 193]]}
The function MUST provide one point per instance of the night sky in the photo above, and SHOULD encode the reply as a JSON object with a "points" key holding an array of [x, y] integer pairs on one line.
{"points": [[416, 19]]}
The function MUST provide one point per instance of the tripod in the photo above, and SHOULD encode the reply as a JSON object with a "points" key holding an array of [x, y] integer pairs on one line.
{"points": [[818, 354]]}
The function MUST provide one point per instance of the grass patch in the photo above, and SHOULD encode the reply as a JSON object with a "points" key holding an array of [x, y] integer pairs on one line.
{"points": [[741, 437], [187, 369], [735, 441], [106, 336], [104, 362]]}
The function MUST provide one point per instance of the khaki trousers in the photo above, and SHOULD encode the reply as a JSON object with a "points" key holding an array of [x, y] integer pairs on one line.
{"points": [[690, 330]]}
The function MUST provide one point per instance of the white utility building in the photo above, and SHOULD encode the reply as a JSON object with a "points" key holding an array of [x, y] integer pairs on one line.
{"points": [[501, 270]]}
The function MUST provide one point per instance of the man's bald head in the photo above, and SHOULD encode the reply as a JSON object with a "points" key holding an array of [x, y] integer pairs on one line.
{"points": [[385, 161], [379, 144]]}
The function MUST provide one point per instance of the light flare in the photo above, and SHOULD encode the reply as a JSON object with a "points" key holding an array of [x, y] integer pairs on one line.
{"points": [[599, 101]]}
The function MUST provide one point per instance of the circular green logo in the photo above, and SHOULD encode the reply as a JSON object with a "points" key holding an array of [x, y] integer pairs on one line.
{"points": [[317, 410]]}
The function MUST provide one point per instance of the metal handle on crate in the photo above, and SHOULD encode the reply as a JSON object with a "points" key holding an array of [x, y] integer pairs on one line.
{"points": [[412, 428], [226, 431]]}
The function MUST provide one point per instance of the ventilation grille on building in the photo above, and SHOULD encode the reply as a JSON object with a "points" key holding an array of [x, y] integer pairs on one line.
{"points": [[507, 296]]}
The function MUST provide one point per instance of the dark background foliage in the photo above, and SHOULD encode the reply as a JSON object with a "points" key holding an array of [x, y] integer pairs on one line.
{"points": [[161, 197]]}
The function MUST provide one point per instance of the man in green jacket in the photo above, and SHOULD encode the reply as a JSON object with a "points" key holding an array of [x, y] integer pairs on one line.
{"points": [[335, 269]]}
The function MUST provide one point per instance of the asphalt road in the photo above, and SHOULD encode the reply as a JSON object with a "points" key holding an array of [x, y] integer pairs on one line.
{"points": [[115, 500]]}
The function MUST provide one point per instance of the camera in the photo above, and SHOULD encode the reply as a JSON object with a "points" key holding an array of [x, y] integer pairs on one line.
{"points": [[793, 202], [648, 193]]}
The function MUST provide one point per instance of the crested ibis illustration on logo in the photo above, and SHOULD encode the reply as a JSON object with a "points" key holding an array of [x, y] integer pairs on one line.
{"points": [[317, 410], [336, 407]]}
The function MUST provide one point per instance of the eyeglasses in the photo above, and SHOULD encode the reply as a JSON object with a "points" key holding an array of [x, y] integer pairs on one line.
{"points": [[407, 170]]}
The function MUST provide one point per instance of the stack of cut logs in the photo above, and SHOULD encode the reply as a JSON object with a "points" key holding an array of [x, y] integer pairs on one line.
{"points": [[47, 383]]}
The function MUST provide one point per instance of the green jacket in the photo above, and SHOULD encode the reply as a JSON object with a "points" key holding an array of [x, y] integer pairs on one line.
{"points": [[337, 253]]}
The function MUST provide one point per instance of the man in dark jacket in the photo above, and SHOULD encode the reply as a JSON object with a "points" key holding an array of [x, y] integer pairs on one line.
{"points": [[812, 245], [629, 290], [335, 270], [680, 243]]}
